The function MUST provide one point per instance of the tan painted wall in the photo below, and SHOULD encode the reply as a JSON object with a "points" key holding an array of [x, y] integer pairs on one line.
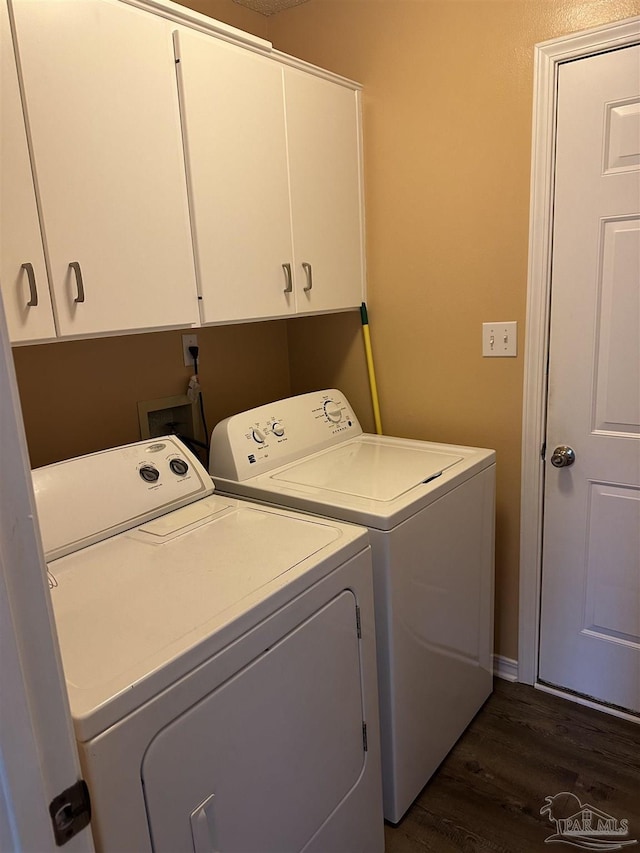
{"points": [[447, 128], [81, 396], [447, 111]]}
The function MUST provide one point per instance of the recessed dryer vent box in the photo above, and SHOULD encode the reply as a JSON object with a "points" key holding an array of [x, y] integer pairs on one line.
{"points": [[166, 416]]}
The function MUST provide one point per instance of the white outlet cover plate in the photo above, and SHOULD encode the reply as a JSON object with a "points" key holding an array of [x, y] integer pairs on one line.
{"points": [[500, 339], [188, 341]]}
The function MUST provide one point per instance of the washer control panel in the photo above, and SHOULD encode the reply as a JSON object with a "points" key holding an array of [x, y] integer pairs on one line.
{"points": [[91, 497], [261, 439]]}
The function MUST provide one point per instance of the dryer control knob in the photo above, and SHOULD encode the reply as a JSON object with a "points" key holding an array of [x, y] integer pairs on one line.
{"points": [[179, 467], [257, 436], [332, 412], [277, 429], [149, 474]]}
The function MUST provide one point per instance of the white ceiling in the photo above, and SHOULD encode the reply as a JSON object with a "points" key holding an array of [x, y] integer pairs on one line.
{"points": [[269, 7]]}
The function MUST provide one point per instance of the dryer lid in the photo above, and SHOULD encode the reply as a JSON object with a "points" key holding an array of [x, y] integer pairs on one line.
{"points": [[368, 468]]}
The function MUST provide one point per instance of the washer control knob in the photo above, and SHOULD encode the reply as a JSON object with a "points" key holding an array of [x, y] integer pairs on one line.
{"points": [[332, 412], [149, 474], [277, 429], [179, 467], [257, 436]]}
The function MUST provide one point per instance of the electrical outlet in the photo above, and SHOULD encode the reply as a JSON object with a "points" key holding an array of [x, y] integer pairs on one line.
{"points": [[188, 341], [500, 339]]}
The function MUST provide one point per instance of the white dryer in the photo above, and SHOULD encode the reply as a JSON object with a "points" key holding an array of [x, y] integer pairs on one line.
{"points": [[219, 659], [430, 513]]}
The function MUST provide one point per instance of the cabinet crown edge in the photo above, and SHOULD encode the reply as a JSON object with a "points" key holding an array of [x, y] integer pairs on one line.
{"points": [[189, 17], [196, 20]]}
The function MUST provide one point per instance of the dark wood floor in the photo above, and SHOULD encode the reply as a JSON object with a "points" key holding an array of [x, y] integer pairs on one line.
{"points": [[523, 746]]}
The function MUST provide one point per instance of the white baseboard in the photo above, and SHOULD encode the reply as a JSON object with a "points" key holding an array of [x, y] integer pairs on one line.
{"points": [[505, 668], [588, 703]]}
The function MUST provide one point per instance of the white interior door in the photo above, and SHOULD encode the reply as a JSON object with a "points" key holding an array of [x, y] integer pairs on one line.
{"points": [[590, 620], [38, 758]]}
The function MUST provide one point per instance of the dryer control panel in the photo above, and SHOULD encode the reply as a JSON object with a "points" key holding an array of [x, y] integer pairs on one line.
{"points": [[83, 500], [261, 439]]}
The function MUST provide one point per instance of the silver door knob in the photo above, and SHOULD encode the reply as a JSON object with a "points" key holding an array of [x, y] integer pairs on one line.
{"points": [[563, 456]]}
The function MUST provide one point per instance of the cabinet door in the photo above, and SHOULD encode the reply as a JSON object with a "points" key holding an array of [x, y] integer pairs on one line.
{"points": [[104, 122], [232, 104], [323, 128], [23, 274]]}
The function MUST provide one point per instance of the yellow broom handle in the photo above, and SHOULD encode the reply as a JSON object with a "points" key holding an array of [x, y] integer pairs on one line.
{"points": [[370, 368]]}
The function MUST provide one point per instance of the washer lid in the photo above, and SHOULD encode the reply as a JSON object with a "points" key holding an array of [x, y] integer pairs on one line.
{"points": [[369, 469], [137, 611]]}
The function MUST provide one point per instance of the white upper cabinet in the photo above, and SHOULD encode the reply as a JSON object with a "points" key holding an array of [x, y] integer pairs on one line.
{"points": [[232, 104], [23, 274], [103, 118], [323, 131], [231, 193], [274, 169]]}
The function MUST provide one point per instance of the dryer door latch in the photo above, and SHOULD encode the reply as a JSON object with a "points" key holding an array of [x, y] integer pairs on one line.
{"points": [[70, 812]]}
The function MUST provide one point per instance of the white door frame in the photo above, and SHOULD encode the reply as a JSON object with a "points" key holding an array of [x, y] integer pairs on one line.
{"points": [[548, 56]]}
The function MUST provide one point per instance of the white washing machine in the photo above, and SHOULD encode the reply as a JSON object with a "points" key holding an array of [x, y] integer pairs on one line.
{"points": [[219, 659], [430, 512]]}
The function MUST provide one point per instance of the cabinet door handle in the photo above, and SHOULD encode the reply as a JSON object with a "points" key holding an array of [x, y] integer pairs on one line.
{"points": [[288, 279], [33, 290], [307, 271], [75, 266]]}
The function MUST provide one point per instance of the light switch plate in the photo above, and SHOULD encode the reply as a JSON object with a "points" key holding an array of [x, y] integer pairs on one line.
{"points": [[500, 339]]}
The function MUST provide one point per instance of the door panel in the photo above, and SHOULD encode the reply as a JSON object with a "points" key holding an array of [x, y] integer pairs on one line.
{"points": [[613, 582], [590, 621], [617, 395]]}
